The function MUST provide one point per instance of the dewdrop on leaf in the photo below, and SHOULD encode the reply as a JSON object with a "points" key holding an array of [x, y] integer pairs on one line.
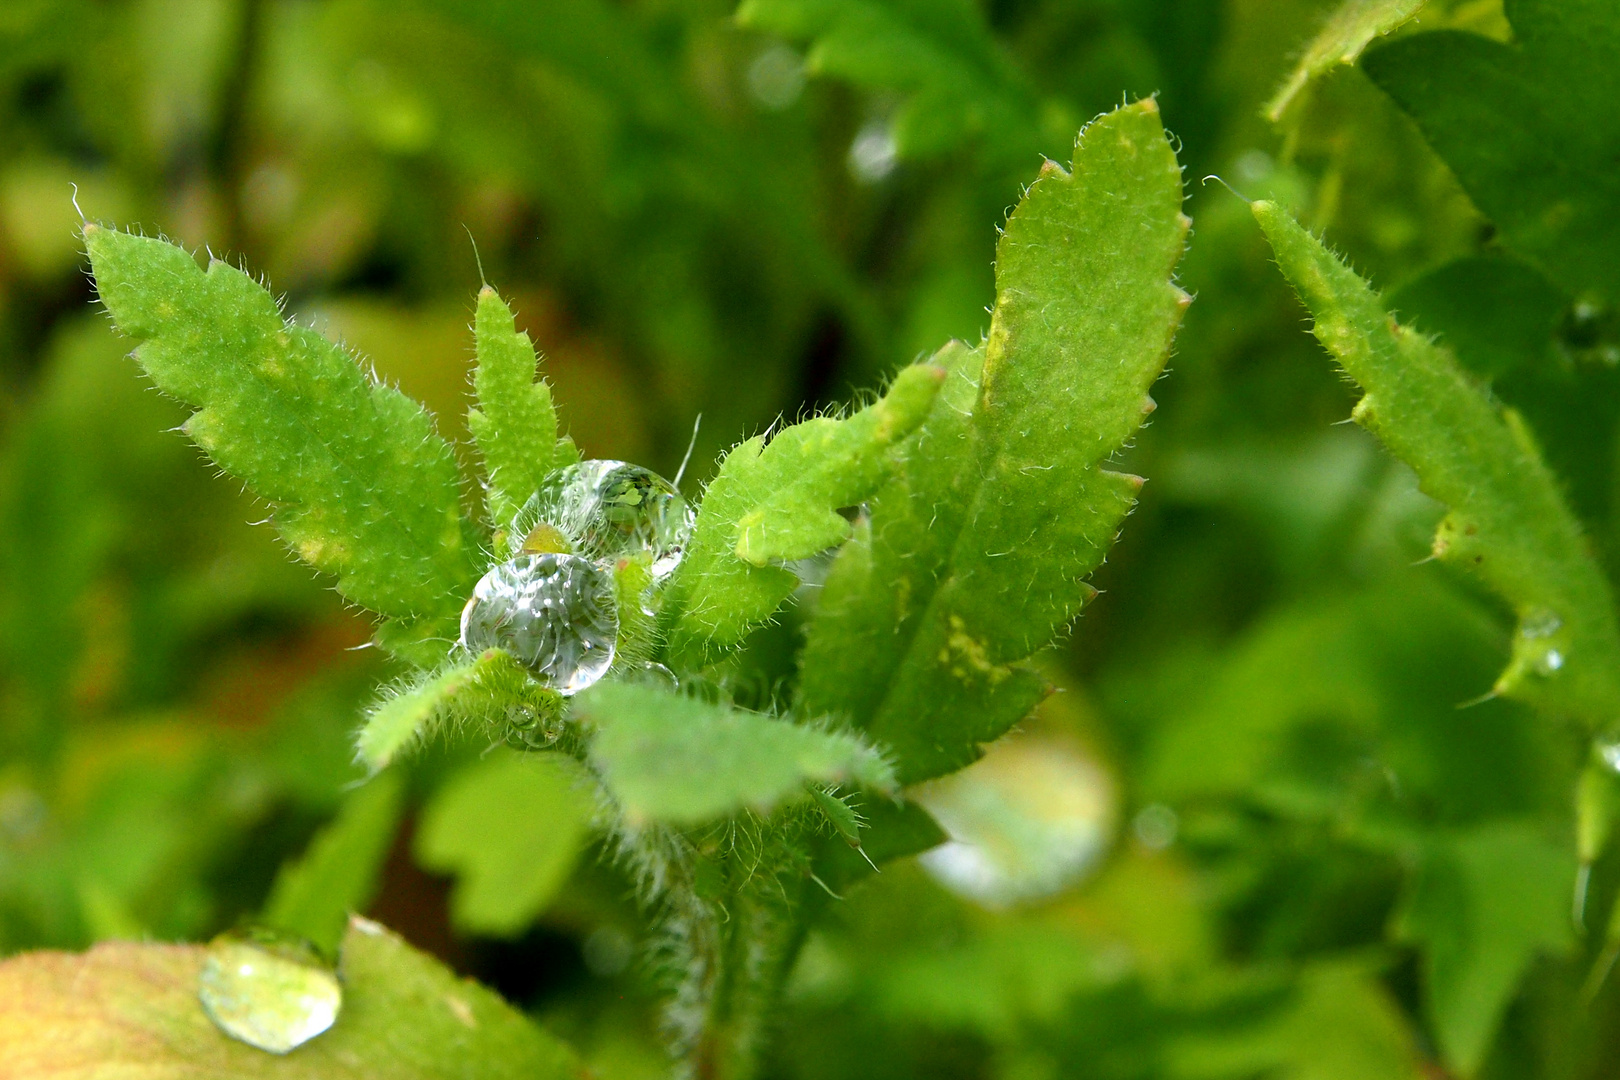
{"points": [[605, 510], [555, 614]]}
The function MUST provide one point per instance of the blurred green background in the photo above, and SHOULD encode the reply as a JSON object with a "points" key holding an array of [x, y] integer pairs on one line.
{"points": [[1254, 835]]}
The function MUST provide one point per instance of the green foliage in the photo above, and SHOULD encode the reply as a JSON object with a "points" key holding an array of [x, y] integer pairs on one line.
{"points": [[362, 486], [1349, 30], [338, 873], [1238, 826], [649, 746], [510, 829], [1508, 521], [970, 562], [778, 501], [959, 84], [126, 1006], [515, 424], [1529, 129], [1483, 905], [477, 692]]}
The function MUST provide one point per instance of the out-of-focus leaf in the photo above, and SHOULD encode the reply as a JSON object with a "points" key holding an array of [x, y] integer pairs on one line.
{"points": [[1347, 31], [1339, 1024], [1531, 129], [1483, 905], [126, 1009], [779, 501], [509, 828], [939, 52], [515, 424], [337, 874], [973, 556], [1508, 521], [363, 486], [676, 759]]}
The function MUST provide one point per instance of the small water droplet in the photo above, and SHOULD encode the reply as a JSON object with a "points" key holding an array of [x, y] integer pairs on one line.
{"points": [[1541, 643], [568, 648], [607, 510], [268, 990]]}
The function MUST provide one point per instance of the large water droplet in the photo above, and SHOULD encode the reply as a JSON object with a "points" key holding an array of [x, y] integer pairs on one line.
{"points": [[605, 510], [268, 990], [555, 614], [1026, 821]]}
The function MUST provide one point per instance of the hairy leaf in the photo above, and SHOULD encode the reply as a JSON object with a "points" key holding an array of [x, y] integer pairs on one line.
{"points": [[514, 424], [974, 553], [509, 828], [338, 872], [940, 52], [1508, 521], [1484, 903], [777, 501], [1342, 38], [482, 690], [123, 1009], [676, 759], [1531, 129], [363, 487]]}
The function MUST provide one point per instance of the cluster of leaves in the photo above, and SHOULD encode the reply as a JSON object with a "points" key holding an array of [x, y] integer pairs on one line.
{"points": [[1320, 865]]}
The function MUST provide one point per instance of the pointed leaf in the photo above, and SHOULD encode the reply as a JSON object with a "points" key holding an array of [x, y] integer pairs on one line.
{"points": [[338, 872], [777, 501], [675, 759], [975, 551], [362, 486], [479, 691], [509, 828], [123, 1009], [514, 424], [1508, 521]]}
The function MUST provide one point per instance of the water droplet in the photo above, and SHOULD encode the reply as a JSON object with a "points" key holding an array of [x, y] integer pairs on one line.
{"points": [[1026, 821], [268, 990], [554, 613], [606, 510], [1541, 643]]}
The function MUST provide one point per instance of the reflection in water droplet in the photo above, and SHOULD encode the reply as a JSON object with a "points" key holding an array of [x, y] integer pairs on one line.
{"points": [[1026, 821], [268, 990], [554, 613], [606, 510]]}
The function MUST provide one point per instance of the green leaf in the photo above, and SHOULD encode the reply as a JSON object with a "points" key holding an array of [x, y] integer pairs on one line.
{"points": [[338, 872], [510, 829], [1482, 905], [778, 501], [940, 52], [1528, 128], [1508, 521], [675, 759], [362, 486], [974, 553], [514, 424], [1340, 41], [486, 690], [123, 1009]]}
